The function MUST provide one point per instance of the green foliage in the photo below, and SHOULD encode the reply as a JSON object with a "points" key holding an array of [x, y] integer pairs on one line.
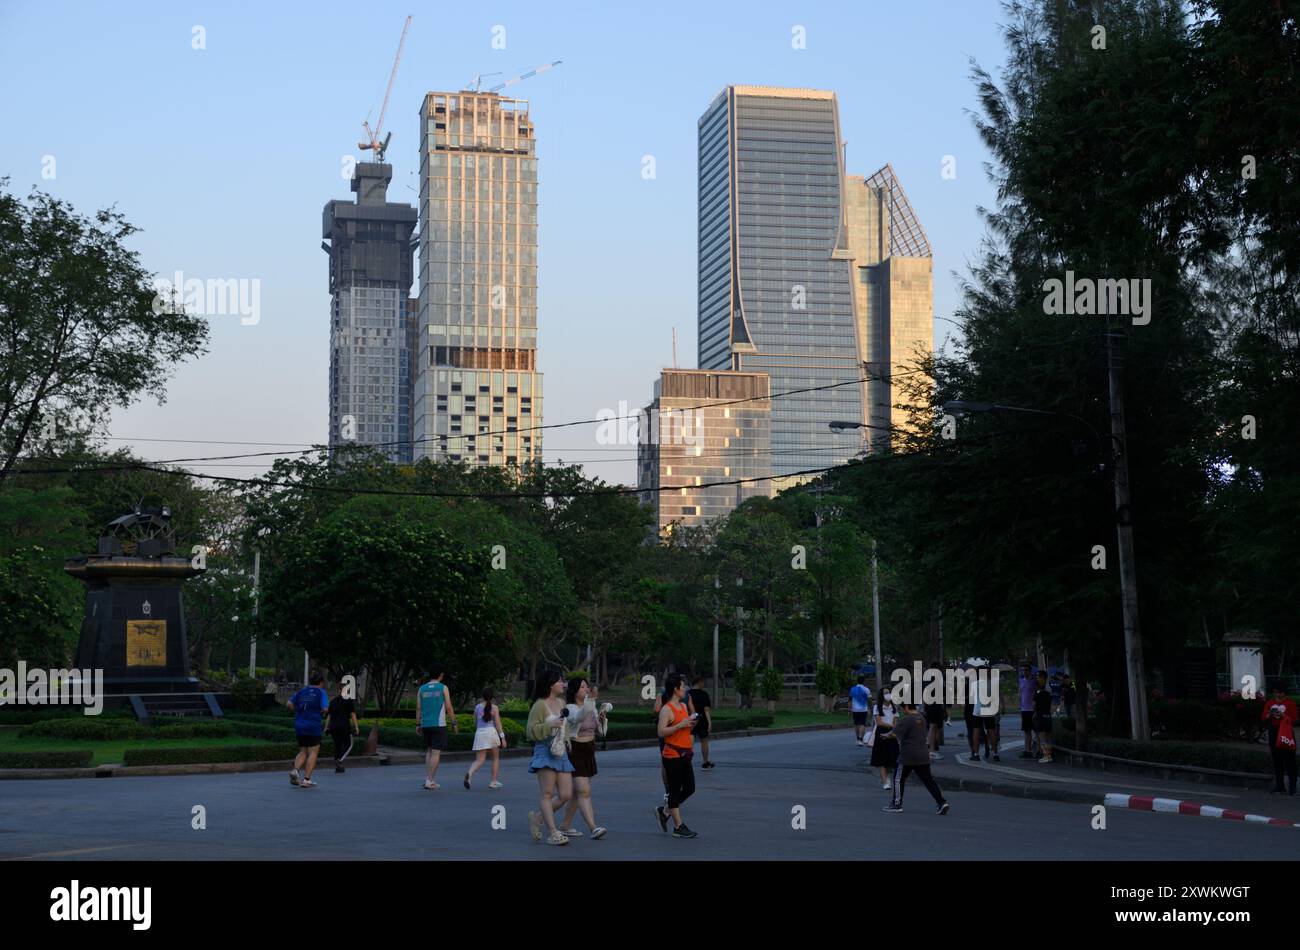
{"points": [[247, 693], [746, 680], [770, 684], [99, 729], [61, 759], [831, 680], [191, 755]]}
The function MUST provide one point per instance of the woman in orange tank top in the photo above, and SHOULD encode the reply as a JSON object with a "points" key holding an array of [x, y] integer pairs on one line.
{"points": [[675, 723]]}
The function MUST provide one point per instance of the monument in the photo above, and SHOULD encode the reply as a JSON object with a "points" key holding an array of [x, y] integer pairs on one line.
{"points": [[134, 623]]}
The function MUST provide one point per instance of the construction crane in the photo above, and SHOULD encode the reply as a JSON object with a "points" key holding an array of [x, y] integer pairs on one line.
{"points": [[372, 138], [510, 82]]}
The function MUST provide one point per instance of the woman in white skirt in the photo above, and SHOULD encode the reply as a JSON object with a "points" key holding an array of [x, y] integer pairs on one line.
{"points": [[488, 736]]}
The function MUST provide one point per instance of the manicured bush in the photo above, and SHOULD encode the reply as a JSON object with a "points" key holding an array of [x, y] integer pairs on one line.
{"points": [[60, 759], [97, 729], [831, 680], [247, 693], [746, 682], [1253, 758], [189, 755], [771, 683], [28, 715]]}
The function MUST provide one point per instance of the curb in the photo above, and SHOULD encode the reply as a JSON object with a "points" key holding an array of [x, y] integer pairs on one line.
{"points": [[407, 757], [1035, 791], [1115, 765], [1177, 806]]}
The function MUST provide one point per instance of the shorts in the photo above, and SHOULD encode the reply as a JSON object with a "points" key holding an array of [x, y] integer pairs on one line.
{"points": [[306, 742], [485, 737], [988, 723], [1043, 724], [935, 715], [435, 737], [1026, 720], [860, 718], [582, 756]]}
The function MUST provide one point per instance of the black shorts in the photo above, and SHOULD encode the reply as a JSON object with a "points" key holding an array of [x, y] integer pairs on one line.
{"points": [[935, 715], [860, 719], [1026, 721], [435, 737], [989, 723], [1043, 724], [306, 742]]}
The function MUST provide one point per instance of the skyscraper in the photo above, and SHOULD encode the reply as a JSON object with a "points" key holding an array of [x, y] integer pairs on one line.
{"points": [[705, 428], [478, 395], [370, 267], [789, 254]]}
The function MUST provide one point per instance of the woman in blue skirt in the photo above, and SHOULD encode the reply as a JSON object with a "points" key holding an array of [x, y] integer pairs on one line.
{"points": [[554, 773]]}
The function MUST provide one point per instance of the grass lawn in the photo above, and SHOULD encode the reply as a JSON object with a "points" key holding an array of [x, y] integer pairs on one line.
{"points": [[111, 751]]}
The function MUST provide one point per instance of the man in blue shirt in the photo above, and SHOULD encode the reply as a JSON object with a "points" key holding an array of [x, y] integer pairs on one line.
{"points": [[860, 707], [309, 706]]}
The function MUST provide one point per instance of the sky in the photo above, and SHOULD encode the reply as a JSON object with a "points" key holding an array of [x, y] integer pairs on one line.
{"points": [[222, 129]]}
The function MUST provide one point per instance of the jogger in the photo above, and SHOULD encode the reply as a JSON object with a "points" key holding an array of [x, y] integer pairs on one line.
{"points": [[343, 726], [309, 706]]}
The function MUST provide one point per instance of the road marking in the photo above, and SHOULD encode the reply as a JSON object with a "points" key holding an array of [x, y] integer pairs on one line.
{"points": [[65, 854]]}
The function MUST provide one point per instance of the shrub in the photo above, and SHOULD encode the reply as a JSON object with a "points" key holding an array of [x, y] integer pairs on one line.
{"points": [[247, 693], [95, 729], [771, 683], [189, 755], [1206, 755], [746, 681], [60, 759], [831, 681], [31, 715]]}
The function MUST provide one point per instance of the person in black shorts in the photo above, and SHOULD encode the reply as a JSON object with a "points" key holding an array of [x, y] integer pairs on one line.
{"points": [[935, 714], [698, 701]]}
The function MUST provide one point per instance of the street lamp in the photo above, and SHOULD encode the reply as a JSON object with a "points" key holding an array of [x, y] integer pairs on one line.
{"points": [[1137, 696], [839, 426]]}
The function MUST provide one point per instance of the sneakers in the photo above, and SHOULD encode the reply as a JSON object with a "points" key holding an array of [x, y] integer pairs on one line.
{"points": [[1045, 760], [936, 756], [535, 825], [496, 785], [308, 783], [558, 838], [681, 831], [598, 832], [943, 809], [709, 765], [339, 770], [892, 809], [431, 785], [859, 742], [294, 777], [572, 833], [663, 818], [467, 781], [886, 787]]}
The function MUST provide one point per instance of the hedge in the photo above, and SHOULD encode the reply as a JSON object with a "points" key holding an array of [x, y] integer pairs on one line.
{"points": [[95, 729], [1245, 758], [30, 715], [61, 759], [189, 755]]}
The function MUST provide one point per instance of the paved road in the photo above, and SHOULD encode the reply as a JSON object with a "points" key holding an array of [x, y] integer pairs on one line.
{"points": [[742, 810]]}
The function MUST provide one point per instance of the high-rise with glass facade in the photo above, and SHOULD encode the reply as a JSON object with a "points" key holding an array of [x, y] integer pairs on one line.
{"points": [[705, 445], [370, 254], [789, 254], [478, 395]]}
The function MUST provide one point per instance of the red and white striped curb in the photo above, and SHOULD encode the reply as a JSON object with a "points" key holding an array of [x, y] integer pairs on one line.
{"points": [[1175, 806]]}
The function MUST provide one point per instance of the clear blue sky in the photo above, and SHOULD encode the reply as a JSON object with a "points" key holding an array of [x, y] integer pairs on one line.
{"points": [[225, 156]]}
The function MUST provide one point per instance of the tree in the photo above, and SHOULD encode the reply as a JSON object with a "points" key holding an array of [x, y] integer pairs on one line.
{"points": [[79, 330]]}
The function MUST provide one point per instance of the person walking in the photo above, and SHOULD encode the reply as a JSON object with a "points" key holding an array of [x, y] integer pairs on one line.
{"points": [[1027, 688], [309, 705], [935, 714], [913, 756], [489, 736], [1068, 695], [860, 708], [675, 724], [698, 701], [1043, 718], [547, 730], [585, 719], [884, 752], [343, 726], [1280, 714], [660, 701], [432, 707]]}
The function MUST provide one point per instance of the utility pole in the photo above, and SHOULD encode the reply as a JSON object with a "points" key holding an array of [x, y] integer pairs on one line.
{"points": [[252, 643], [717, 613], [1137, 693], [875, 618]]}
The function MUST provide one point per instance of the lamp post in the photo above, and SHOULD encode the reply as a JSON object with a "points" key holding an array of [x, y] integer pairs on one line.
{"points": [[1137, 695], [840, 426]]}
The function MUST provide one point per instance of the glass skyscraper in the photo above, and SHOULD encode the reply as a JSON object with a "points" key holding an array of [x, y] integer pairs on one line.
{"points": [[478, 395], [789, 250]]}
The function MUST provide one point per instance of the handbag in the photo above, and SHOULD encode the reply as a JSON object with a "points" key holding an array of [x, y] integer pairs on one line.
{"points": [[871, 737], [559, 743]]}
